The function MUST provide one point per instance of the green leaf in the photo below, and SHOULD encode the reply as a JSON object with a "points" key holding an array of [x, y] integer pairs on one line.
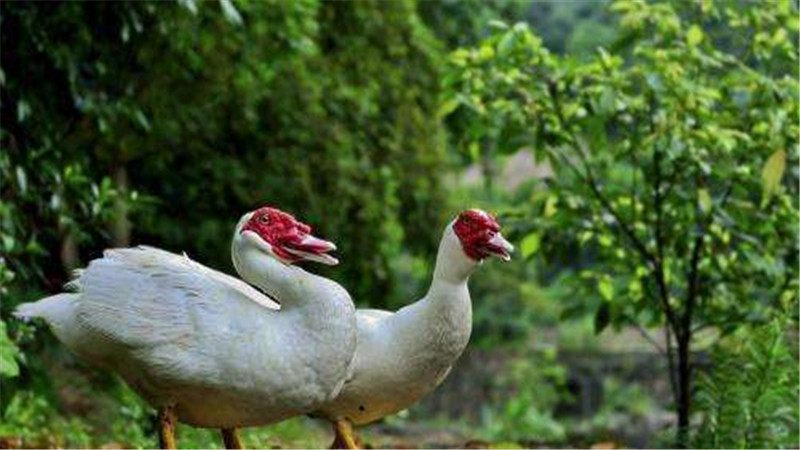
{"points": [[474, 151], [506, 44], [530, 244], [771, 175], [191, 5], [606, 104], [602, 317], [550, 207], [23, 110], [605, 288], [8, 353], [694, 36], [142, 120], [22, 180], [498, 24], [447, 107], [704, 198], [230, 11]]}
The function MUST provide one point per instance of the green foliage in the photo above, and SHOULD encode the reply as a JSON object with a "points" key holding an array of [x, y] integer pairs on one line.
{"points": [[670, 203], [184, 107], [575, 28], [617, 130], [749, 397], [537, 380], [30, 417], [9, 353], [520, 419], [161, 123], [464, 22], [673, 200]]}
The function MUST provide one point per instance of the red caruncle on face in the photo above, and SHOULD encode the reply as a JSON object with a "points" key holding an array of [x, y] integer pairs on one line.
{"points": [[278, 229], [475, 229]]}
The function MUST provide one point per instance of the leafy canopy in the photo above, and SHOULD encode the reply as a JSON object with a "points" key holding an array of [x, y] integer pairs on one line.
{"points": [[670, 157]]}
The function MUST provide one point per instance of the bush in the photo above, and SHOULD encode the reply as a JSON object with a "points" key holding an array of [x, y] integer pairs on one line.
{"points": [[748, 398]]}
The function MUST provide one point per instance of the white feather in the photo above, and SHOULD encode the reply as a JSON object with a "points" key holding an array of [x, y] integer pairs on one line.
{"points": [[404, 355], [225, 354]]}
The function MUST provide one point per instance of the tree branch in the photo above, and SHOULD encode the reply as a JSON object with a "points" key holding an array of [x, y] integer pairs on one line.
{"points": [[694, 272], [659, 237], [589, 179], [671, 365], [650, 339]]}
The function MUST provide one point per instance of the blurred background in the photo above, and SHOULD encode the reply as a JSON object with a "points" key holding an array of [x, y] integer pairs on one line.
{"points": [[642, 156]]}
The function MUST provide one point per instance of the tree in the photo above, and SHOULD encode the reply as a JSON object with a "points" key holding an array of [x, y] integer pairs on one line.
{"points": [[278, 102], [159, 124], [670, 161]]}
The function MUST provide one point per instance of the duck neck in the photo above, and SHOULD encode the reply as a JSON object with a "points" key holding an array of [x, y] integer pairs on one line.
{"points": [[317, 315], [453, 266], [446, 310], [268, 274]]}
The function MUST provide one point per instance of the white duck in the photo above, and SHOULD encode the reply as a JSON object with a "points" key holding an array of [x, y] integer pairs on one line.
{"points": [[206, 348], [403, 356]]}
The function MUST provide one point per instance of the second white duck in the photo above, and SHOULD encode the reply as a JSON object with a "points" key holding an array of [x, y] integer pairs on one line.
{"points": [[402, 356]]}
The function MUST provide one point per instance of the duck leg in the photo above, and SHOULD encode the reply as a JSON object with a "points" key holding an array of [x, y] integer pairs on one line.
{"points": [[166, 426], [230, 436], [344, 435]]}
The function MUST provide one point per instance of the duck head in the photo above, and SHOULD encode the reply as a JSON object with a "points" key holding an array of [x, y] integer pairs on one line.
{"points": [[479, 234], [283, 237]]}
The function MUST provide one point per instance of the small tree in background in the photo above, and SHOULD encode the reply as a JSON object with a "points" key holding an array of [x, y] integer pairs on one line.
{"points": [[669, 159]]}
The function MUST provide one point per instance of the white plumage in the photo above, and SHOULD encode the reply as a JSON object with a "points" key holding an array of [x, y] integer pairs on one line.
{"points": [[403, 356], [220, 351]]}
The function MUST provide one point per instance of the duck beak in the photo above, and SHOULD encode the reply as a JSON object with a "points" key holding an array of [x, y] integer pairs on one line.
{"points": [[311, 248], [500, 247]]}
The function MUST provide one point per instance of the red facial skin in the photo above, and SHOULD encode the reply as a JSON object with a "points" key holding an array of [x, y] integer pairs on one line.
{"points": [[475, 229], [280, 230]]}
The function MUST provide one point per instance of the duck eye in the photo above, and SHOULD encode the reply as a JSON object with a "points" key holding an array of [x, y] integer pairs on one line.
{"points": [[264, 219]]}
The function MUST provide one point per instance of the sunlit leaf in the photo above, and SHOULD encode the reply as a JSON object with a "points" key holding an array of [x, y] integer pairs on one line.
{"points": [[8, 354], [22, 179], [498, 24], [506, 44], [704, 199], [550, 206], [530, 244], [474, 151], [142, 120], [23, 110], [694, 36], [230, 11], [447, 107], [191, 5], [771, 175], [605, 288]]}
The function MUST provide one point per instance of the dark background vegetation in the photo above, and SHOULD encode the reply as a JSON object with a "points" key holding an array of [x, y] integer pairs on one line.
{"points": [[641, 155]]}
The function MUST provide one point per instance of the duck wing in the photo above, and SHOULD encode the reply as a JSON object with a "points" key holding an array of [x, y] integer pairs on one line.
{"points": [[143, 296]]}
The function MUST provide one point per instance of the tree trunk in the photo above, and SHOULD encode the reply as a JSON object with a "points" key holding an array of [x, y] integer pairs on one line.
{"points": [[684, 388], [69, 253], [120, 226]]}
